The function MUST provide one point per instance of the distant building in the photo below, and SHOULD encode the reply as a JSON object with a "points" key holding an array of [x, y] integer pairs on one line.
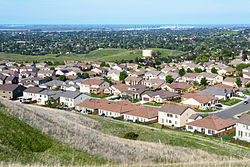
{"points": [[147, 53]]}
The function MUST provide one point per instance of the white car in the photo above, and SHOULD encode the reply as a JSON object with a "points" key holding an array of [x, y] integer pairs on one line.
{"points": [[241, 94]]}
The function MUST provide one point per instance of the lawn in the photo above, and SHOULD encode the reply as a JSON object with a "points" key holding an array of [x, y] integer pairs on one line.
{"points": [[101, 96], [246, 93], [153, 104], [206, 110], [109, 54], [134, 100], [230, 102], [20, 143]]}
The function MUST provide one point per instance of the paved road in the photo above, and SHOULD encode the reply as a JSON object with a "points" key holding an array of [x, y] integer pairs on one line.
{"points": [[238, 109]]}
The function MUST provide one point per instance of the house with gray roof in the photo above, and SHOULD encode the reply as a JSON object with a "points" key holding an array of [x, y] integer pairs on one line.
{"points": [[70, 99], [52, 84], [174, 115], [220, 93]]}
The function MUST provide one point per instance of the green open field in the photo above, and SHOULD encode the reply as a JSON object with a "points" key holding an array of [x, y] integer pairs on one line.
{"points": [[96, 55]]}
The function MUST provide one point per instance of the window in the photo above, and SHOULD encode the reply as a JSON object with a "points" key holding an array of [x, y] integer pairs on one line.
{"points": [[170, 121], [162, 121], [3, 91], [175, 122], [190, 127], [176, 116], [209, 132], [169, 115]]}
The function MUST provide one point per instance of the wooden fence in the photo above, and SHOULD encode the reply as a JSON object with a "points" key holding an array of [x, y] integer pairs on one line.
{"points": [[186, 105], [226, 132], [147, 123]]}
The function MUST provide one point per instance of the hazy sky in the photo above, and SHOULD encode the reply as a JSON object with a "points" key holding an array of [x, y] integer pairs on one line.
{"points": [[124, 11]]}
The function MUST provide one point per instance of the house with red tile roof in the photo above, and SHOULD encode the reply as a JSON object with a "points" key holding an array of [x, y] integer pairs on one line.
{"points": [[91, 105], [202, 101], [117, 109], [210, 125], [142, 114], [93, 85]]}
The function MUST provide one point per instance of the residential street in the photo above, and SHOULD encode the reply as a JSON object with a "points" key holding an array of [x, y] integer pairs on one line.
{"points": [[235, 110]]}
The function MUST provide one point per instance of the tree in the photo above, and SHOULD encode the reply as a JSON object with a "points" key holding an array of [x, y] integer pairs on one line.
{"points": [[122, 76], [189, 70], [244, 57], [85, 75], [182, 72], [238, 82], [213, 70], [169, 79], [52, 102], [241, 66], [38, 69], [103, 64], [62, 78], [203, 81], [197, 70], [47, 78], [195, 83], [52, 68], [79, 74]]}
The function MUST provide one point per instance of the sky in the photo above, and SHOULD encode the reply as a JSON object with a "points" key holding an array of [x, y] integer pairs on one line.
{"points": [[124, 11]]}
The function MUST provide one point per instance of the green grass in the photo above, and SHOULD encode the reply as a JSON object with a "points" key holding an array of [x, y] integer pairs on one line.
{"points": [[230, 102], [101, 96], [246, 92], [153, 104], [109, 54], [134, 100], [183, 139], [20, 143], [206, 110]]}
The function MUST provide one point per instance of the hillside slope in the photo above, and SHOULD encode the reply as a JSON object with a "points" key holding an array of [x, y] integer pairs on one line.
{"points": [[99, 137], [20, 143]]}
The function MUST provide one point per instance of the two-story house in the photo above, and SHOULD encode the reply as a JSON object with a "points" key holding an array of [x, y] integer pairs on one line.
{"points": [[243, 128], [174, 115]]}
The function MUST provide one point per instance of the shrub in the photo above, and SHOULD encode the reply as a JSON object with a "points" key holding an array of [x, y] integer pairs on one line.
{"points": [[131, 136]]}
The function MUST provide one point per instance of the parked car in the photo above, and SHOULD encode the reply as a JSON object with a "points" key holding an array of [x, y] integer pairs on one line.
{"points": [[245, 102], [241, 94], [218, 105]]}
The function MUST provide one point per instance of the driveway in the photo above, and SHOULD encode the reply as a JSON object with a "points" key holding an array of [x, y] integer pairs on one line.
{"points": [[235, 110]]}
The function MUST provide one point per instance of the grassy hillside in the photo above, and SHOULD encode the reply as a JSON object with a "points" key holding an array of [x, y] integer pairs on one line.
{"points": [[105, 138], [20, 143], [96, 55], [172, 138]]}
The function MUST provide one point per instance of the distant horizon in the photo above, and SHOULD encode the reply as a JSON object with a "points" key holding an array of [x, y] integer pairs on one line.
{"points": [[122, 24]]}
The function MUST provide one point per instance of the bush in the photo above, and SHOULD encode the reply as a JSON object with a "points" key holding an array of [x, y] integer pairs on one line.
{"points": [[131, 136]]}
